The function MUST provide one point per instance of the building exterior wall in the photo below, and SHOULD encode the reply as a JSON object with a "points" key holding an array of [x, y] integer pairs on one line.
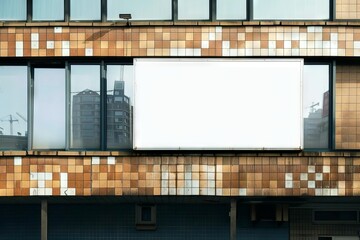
{"points": [[331, 174]]}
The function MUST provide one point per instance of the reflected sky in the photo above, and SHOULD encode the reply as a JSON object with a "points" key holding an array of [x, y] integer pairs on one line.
{"points": [[13, 96], [190, 9], [140, 9], [291, 9], [230, 9], [92, 7]]}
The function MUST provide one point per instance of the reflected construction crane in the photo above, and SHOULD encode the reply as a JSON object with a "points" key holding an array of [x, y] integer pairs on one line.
{"points": [[11, 120], [21, 116]]}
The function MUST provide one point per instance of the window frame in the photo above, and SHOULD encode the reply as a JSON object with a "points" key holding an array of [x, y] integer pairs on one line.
{"points": [[331, 125], [174, 8]]}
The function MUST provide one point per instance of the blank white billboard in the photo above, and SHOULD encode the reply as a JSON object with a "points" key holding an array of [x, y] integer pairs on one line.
{"points": [[225, 104]]}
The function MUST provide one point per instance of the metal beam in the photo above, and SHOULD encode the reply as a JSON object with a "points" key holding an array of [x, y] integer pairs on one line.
{"points": [[232, 215], [44, 219]]}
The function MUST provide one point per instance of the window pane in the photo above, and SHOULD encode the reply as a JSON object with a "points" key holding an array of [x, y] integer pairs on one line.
{"points": [[13, 10], [48, 10], [49, 109], [140, 9], [230, 9], [291, 9], [85, 10], [316, 106], [85, 106], [119, 106], [193, 10], [13, 114]]}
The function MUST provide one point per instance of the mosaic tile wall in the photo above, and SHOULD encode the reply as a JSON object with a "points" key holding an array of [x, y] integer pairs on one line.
{"points": [[347, 135], [180, 41], [178, 175], [347, 9]]}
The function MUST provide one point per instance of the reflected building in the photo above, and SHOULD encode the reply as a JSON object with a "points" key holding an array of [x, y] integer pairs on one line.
{"points": [[118, 117], [316, 126], [86, 118]]}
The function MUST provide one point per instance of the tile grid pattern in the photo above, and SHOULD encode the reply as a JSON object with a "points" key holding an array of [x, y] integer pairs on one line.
{"points": [[347, 109], [347, 9], [180, 41], [180, 175]]}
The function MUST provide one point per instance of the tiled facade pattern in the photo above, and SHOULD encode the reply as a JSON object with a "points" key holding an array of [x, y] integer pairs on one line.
{"points": [[347, 109], [347, 9], [181, 175], [221, 41]]}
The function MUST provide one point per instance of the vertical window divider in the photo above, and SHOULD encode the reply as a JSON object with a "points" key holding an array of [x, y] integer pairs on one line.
{"points": [[67, 104], [332, 105], [103, 10], [103, 106], [29, 11], [332, 9], [30, 104], [212, 14], [249, 10], [67, 10], [175, 10]]}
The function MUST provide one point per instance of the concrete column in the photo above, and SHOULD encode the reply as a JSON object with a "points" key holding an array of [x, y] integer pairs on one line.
{"points": [[232, 215], [44, 219]]}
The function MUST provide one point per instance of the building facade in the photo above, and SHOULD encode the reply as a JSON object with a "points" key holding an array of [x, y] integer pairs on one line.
{"points": [[71, 80]]}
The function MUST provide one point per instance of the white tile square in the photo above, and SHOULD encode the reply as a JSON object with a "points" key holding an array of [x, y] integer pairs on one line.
{"points": [[17, 161], [111, 160], [35, 37], [50, 44], [95, 160], [57, 29]]}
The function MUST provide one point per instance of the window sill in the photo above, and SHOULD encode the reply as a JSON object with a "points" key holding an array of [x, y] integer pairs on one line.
{"points": [[181, 23]]}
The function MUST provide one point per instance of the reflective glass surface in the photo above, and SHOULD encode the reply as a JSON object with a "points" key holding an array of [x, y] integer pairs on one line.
{"points": [[85, 106], [85, 10], [119, 106], [316, 106], [49, 108], [193, 10], [13, 10], [291, 9], [230, 9], [51, 10], [140, 9], [13, 110]]}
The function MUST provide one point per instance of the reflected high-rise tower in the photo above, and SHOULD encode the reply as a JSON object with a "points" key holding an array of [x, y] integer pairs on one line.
{"points": [[118, 117]]}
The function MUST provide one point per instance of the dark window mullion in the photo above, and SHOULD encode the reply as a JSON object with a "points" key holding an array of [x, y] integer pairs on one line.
{"points": [[29, 10], [175, 10], [66, 10], [103, 10], [249, 10], [103, 106]]}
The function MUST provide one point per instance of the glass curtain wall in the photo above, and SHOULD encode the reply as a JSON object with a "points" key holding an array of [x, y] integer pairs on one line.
{"points": [[119, 106], [85, 106], [81, 10], [230, 9], [13, 111], [193, 10], [48, 10], [13, 10]]}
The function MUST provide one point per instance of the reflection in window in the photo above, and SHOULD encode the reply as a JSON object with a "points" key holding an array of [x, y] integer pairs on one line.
{"points": [[13, 10], [78, 12], [230, 9], [49, 108], [119, 113], [85, 106], [316, 106], [291, 9], [52, 10], [193, 10], [13, 114], [140, 9]]}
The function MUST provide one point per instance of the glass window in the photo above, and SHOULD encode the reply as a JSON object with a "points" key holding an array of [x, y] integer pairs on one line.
{"points": [[193, 10], [13, 114], [85, 106], [316, 106], [52, 10], [119, 86], [291, 9], [85, 10], [13, 10], [230, 9], [49, 108], [140, 9]]}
